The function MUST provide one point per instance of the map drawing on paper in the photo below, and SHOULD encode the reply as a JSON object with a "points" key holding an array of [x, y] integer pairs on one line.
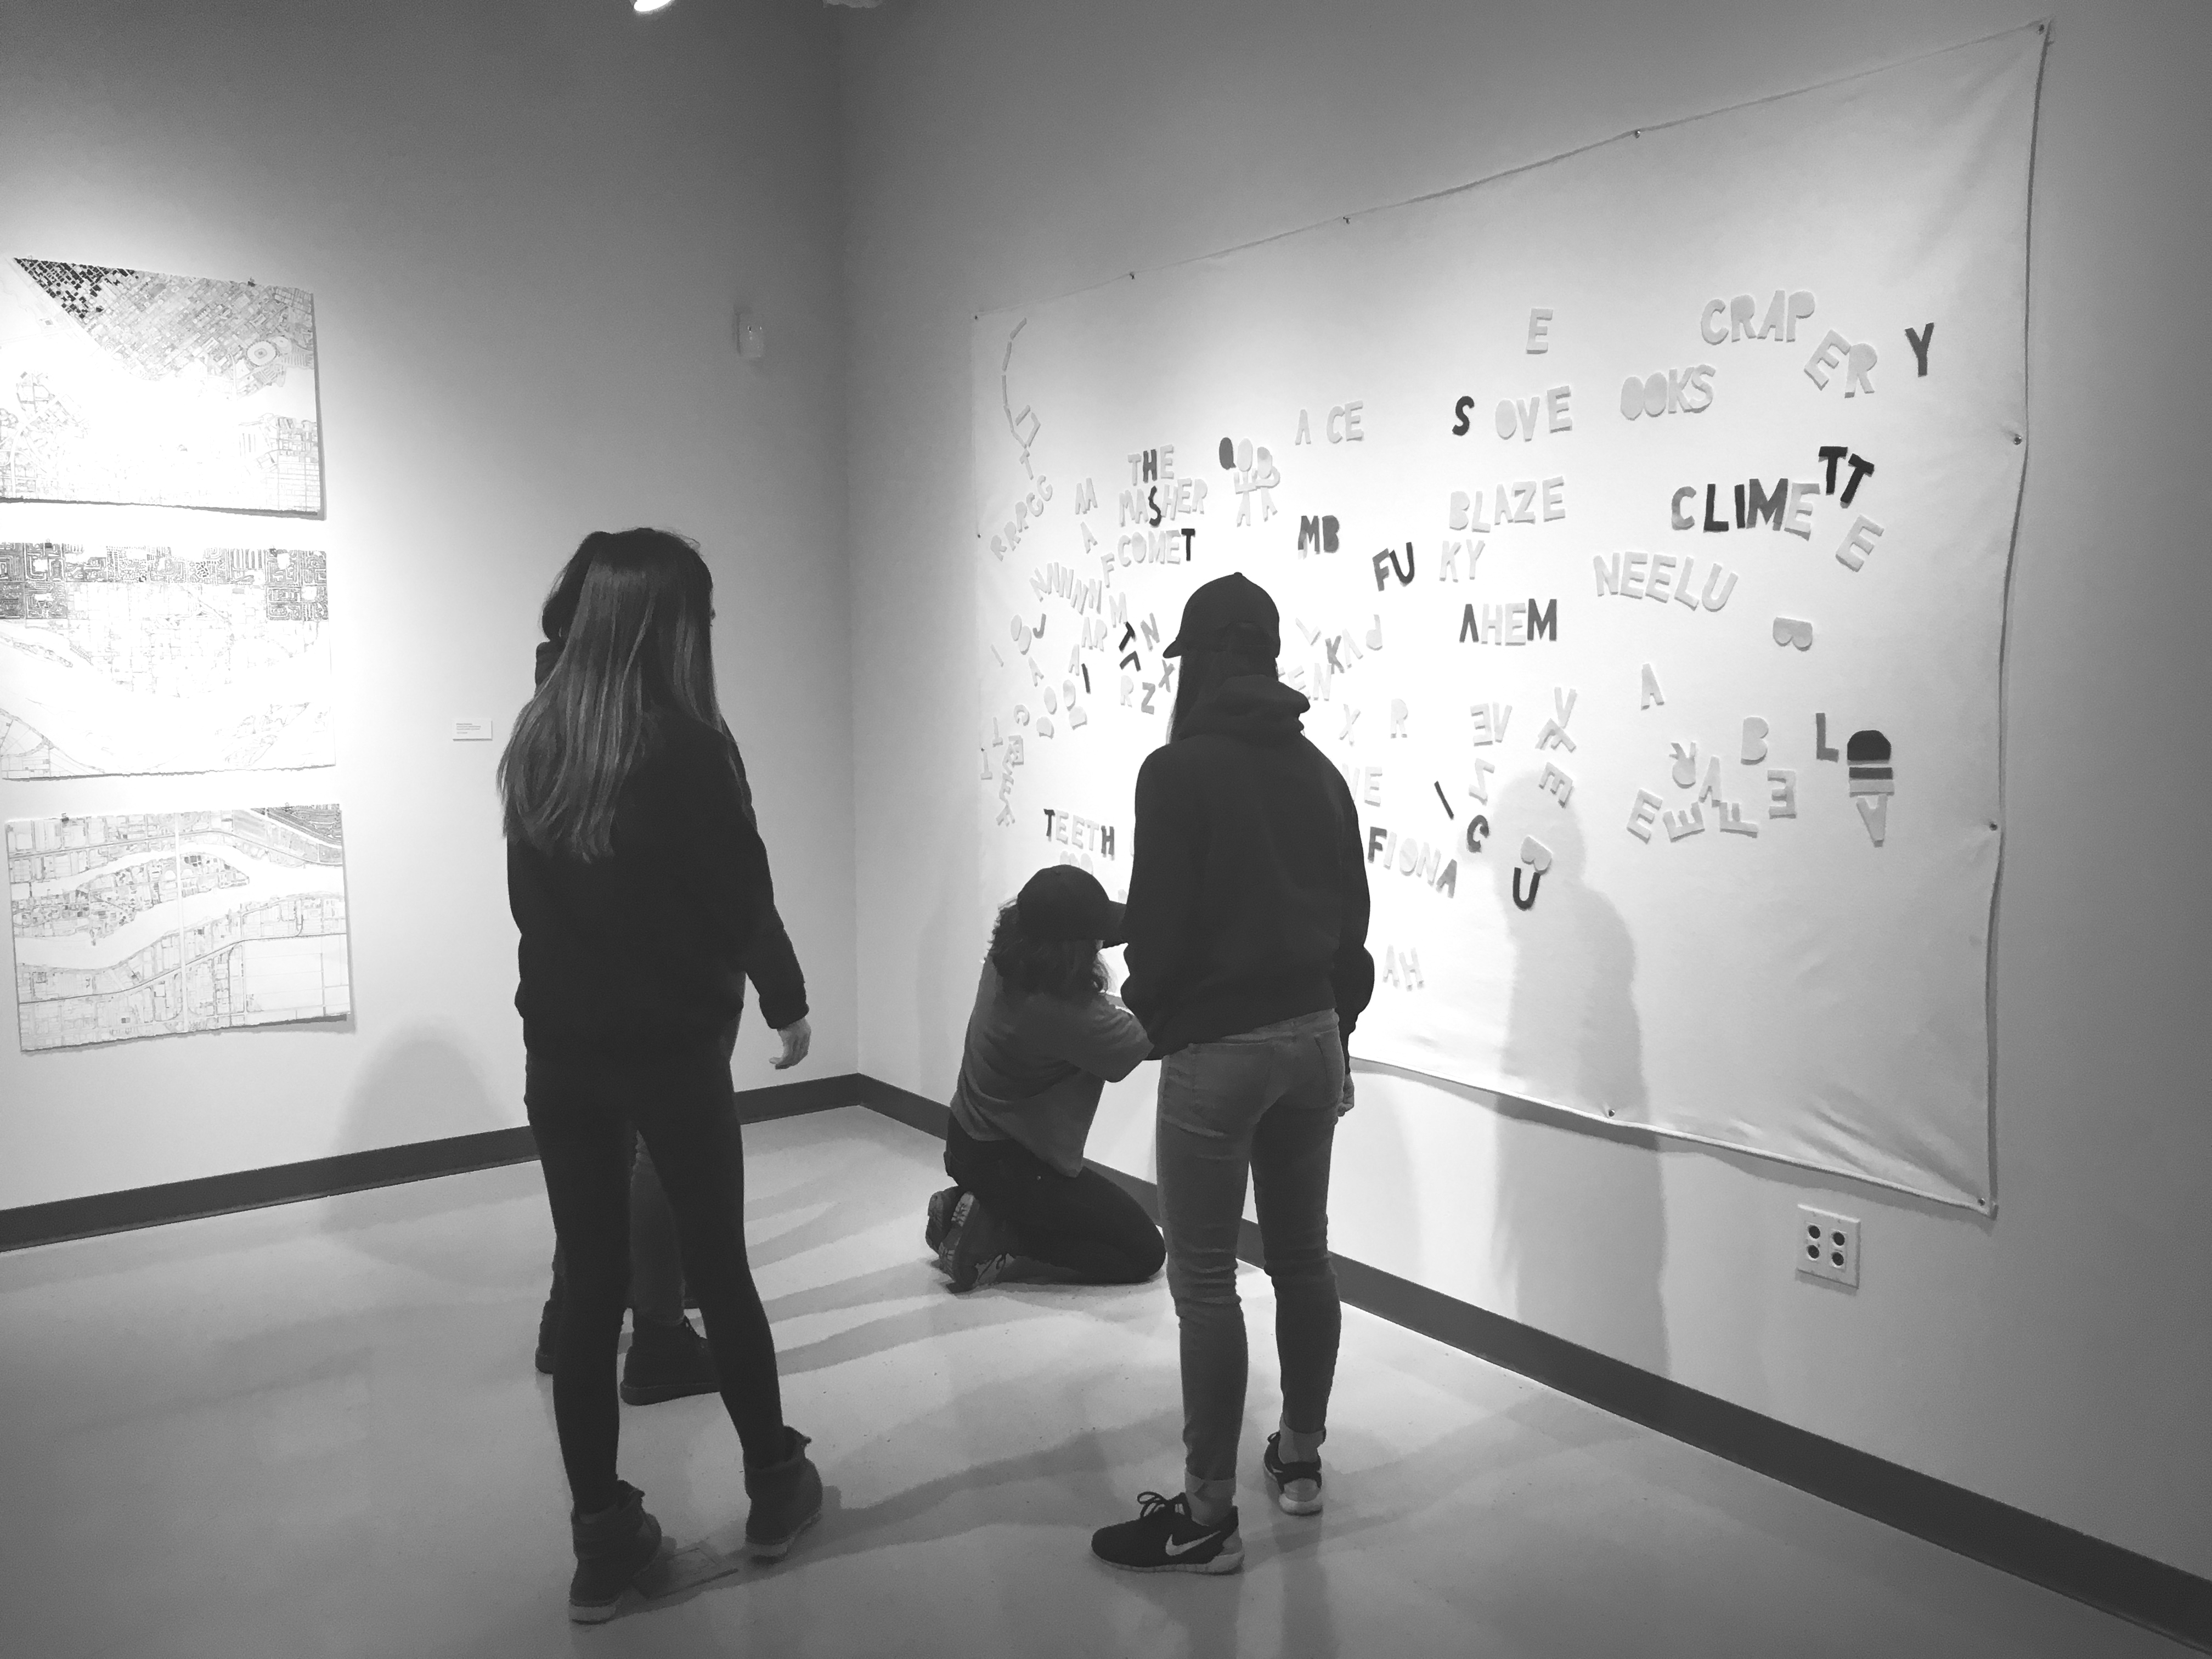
{"points": [[133, 386], [145, 924], [132, 659]]}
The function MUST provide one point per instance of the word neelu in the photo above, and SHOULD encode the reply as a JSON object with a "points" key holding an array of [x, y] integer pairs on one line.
{"points": [[1624, 574]]}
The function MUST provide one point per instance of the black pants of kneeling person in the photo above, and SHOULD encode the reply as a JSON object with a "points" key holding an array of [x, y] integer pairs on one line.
{"points": [[581, 1108], [1084, 1224]]}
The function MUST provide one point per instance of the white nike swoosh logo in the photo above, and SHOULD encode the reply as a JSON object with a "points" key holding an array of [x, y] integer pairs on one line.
{"points": [[1173, 1548]]}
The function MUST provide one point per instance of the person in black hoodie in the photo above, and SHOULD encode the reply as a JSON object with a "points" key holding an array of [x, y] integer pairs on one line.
{"points": [[638, 884], [667, 1359], [1247, 928]]}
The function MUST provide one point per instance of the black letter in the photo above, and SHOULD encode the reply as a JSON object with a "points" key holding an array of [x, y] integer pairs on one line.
{"points": [[1764, 506], [1919, 344], [1309, 533], [1831, 453], [1467, 630], [1861, 468], [1712, 524], [1460, 409], [1546, 627]]}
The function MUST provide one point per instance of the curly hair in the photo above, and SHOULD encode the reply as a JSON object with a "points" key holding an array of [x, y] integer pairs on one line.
{"points": [[1068, 969]]}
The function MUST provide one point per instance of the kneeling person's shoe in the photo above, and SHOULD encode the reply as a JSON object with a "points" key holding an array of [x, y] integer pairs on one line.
{"points": [[1163, 1538], [786, 1499], [666, 1361], [613, 1547], [1297, 1486], [976, 1251], [941, 1207]]}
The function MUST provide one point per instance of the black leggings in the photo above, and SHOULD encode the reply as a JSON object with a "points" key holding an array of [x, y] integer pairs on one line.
{"points": [[1084, 1224], [581, 1108]]}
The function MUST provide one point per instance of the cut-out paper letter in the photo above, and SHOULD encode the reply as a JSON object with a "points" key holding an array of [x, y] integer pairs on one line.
{"points": [[1540, 331], [1781, 794], [1858, 543], [1755, 740], [1556, 783], [1919, 344], [1652, 693], [1827, 358], [1644, 814]]}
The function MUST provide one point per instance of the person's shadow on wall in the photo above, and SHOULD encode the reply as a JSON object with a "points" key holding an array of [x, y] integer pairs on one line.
{"points": [[1581, 1214]]}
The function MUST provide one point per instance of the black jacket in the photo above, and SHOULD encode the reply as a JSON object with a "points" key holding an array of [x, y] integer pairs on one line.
{"points": [[1248, 900], [652, 946]]}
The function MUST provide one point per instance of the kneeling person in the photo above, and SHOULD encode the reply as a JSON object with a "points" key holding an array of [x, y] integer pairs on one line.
{"points": [[1043, 1042]]}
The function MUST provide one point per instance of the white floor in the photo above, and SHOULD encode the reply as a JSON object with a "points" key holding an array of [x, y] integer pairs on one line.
{"points": [[315, 1431]]}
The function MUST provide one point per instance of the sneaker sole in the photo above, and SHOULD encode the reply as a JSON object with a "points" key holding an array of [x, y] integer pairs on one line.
{"points": [[1227, 1561], [598, 1612], [778, 1548], [1291, 1505]]}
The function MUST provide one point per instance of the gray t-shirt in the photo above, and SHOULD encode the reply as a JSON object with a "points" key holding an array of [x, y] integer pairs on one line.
{"points": [[1035, 1065]]}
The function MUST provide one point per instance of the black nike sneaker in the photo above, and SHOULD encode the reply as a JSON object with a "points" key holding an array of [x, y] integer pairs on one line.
{"points": [[1164, 1539]]}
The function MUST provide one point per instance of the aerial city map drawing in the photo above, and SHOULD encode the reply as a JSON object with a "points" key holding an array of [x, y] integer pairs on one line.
{"points": [[133, 386], [127, 659], [143, 924]]}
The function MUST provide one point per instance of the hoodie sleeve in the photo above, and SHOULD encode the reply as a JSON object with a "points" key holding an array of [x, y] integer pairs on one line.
{"points": [[1353, 970], [769, 961], [1164, 884]]}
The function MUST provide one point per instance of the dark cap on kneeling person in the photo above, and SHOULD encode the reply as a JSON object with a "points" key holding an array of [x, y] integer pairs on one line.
{"points": [[1063, 901]]}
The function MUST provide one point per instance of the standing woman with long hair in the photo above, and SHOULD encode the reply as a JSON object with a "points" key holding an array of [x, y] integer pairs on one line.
{"points": [[1248, 963], [638, 884]]}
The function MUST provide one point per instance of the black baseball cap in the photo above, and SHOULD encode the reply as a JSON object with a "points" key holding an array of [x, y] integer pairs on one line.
{"points": [[1065, 900], [1229, 610]]}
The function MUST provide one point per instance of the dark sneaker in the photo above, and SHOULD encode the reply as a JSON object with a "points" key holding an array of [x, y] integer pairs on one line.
{"points": [[613, 1549], [666, 1361], [941, 1219], [786, 1499], [1297, 1486], [1164, 1539], [548, 1334], [980, 1240]]}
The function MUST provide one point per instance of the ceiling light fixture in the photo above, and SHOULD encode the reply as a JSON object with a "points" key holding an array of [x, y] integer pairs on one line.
{"points": [[647, 5]]}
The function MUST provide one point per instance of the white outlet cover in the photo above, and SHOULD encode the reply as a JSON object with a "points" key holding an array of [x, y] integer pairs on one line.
{"points": [[1826, 1245], [472, 731]]}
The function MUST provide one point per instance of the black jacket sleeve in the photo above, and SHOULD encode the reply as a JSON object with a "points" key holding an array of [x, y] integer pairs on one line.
{"points": [[1353, 970], [771, 962], [1164, 889]]}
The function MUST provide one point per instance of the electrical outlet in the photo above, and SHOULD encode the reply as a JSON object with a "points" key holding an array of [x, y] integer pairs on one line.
{"points": [[1828, 1245]]}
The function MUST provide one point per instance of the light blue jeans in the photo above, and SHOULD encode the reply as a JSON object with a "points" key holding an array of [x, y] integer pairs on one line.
{"points": [[1264, 1102]]}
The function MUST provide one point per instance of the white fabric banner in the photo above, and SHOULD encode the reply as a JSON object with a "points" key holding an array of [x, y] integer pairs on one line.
{"points": [[1640, 523]]}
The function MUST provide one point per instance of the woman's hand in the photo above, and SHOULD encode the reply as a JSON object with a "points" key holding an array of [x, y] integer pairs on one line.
{"points": [[1347, 1102], [797, 1037]]}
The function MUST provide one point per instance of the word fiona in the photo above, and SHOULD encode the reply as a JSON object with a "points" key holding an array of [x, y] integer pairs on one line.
{"points": [[1418, 858]]}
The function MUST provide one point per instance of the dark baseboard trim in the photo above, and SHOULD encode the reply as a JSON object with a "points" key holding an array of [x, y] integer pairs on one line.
{"points": [[2107, 1577], [347, 1172]]}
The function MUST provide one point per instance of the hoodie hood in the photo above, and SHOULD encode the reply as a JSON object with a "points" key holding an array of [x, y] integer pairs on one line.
{"points": [[549, 652], [1255, 708]]}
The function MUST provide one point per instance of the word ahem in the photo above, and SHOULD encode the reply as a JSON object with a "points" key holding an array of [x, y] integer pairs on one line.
{"points": [[1519, 415], [1667, 577], [1422, 860], [1072, 831], [1511, 624], [1528, 494], [1151, 472]]}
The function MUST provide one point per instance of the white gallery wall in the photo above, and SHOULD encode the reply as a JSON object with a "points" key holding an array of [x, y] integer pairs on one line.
{"points": [[526, 227], [1000, 152]]}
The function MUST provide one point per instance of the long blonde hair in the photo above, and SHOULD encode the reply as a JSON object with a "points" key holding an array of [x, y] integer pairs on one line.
{"points": [[637, 648]]}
